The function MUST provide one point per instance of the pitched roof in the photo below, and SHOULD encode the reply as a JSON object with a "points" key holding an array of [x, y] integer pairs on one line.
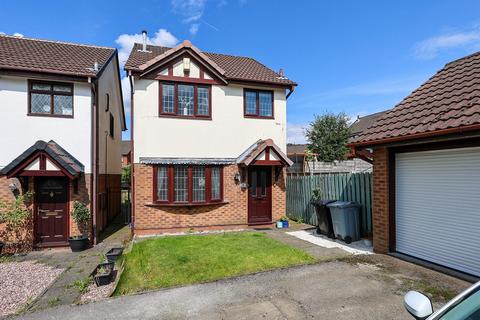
{"points": [[448, 102], [296, 148], [234, 67], [55, 57], [252, 152], [55, 151], [363, 123]]}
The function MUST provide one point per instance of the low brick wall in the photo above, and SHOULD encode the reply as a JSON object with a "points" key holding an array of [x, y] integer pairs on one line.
{"points": [[230, 215]]}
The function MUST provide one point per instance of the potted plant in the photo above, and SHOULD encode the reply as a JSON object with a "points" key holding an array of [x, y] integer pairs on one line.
{"points": [[81, 216], [284, 221], [113, 254], [279, 224], [103, 274], [14, 214]]}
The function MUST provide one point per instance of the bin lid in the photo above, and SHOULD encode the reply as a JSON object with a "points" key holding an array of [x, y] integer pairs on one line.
{"points": [[322, 202], [343, 204]]}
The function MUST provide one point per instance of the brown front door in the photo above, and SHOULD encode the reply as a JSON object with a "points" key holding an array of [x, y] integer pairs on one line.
{"points": [[259, 195], [52, 210]]}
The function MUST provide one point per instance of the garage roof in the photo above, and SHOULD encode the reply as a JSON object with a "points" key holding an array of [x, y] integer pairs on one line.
{"points": [[448, 102]]}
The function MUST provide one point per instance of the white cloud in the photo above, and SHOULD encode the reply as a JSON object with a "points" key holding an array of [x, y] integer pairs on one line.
{"points": [[161, 38], [296, 133], [17, 34], [430, 48], [191, 11], [194, 29]]}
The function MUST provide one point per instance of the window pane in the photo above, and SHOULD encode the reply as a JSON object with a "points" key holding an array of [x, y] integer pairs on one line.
{"points": [[181, 184], [40, 103], [263, 183], [198, 176], [41, 86], [185, 100], [168, 98], [162, 184], [215, 183], [251, 102], [59, 88], [253, 183], [203, 101], [265, 100], [63, 105]]}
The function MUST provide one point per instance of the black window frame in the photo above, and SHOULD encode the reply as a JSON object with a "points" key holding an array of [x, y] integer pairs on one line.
{"points": [[52, 94]]}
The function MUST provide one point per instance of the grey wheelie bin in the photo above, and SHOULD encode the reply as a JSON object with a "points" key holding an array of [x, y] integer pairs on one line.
{"points": [[346, 220]]}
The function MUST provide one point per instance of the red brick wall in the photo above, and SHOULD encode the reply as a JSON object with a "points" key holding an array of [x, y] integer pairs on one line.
{"points": [[19, 239], [23, 238], [381, 198], [234, 214]]}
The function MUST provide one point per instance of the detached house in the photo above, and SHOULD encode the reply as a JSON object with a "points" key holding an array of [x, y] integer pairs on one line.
{"points": [[209, 140], [62, 115]]}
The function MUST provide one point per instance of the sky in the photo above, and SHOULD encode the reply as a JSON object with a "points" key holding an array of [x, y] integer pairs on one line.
{"points": [[356, 57]]}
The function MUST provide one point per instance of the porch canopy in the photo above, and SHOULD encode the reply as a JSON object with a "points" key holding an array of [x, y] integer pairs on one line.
{"points": [[264, 152], [44, 159]]}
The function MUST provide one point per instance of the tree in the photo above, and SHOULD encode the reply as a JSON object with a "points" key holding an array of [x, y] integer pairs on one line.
{"points": [[328, 135]]}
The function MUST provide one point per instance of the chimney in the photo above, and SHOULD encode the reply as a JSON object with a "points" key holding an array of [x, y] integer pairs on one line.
{"points": [[95, 66], [281, 73], [144, 44]]}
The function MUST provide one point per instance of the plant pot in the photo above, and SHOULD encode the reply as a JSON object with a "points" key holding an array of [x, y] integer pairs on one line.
{"points": [[113, 254], [2, 245], [103, 278], [279, 224], [285, 224], [79, 243]]}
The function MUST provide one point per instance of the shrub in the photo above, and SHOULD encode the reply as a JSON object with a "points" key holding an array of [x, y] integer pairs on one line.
{"points": [[15, 213], [80, 212]]}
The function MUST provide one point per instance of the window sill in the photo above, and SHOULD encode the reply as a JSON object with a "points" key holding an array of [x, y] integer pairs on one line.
{"points": [[49, 115], [200, 204], [174, 116], [247, 116]]}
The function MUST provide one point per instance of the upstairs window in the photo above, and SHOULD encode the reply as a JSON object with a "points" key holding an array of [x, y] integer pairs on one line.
{"points": [[188, 184], [258, 104], [185, 100], [50, 99]]}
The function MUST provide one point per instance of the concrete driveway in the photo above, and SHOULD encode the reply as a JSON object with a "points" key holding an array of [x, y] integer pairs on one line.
{"points": [[358, 288]]}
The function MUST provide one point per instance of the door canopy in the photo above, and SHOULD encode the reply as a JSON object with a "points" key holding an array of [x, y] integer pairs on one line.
{"points": [[44, 159], [264, 152]]}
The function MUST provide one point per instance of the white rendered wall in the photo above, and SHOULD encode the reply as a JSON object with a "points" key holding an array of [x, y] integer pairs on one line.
{"points": [[108, 83], [227, 135], [19, 131]]}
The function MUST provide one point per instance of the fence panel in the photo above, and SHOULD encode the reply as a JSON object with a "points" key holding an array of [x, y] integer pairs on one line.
{"points": [[355, 187]]}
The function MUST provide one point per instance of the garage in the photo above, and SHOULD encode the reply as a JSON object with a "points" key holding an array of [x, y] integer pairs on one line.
{"points": [[437, 207]]}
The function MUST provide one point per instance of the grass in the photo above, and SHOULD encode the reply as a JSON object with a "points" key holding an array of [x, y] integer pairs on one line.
{"points": [[81, 285], [181, 260]]}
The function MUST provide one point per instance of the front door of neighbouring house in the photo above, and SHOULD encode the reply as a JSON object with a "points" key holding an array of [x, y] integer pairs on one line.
{"points": [[259, 195], [52, 210]]}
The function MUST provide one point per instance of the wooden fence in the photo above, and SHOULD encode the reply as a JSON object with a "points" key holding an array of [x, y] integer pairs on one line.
{"points": [[355, 187]]}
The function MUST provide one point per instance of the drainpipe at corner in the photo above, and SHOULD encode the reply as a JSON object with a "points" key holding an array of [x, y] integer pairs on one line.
{"points": [[94, 161]]}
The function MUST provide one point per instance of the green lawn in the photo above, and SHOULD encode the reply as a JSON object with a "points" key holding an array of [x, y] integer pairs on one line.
{"points": [[171, 261]]}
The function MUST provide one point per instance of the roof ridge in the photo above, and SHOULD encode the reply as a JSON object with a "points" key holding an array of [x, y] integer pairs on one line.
{"points": [[56, 41], [451, 63], [205, 52]]}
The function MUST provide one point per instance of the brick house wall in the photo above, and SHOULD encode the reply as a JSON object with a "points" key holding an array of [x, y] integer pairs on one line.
{"points": [[231, 215], [23, 238], [381, 200]]}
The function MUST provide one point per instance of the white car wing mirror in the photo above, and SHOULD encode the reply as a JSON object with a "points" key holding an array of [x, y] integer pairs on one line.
{"points": [[418, 305]]}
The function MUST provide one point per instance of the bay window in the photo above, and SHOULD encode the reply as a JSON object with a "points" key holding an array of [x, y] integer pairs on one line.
{"points": [[188, 184], [185, 100], [258, 103]]}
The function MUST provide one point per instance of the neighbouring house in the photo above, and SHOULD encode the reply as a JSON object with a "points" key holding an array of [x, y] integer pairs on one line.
{"points": [[208, 139], [426, 170], [62, 116], [126, 153], [303, 163]]}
